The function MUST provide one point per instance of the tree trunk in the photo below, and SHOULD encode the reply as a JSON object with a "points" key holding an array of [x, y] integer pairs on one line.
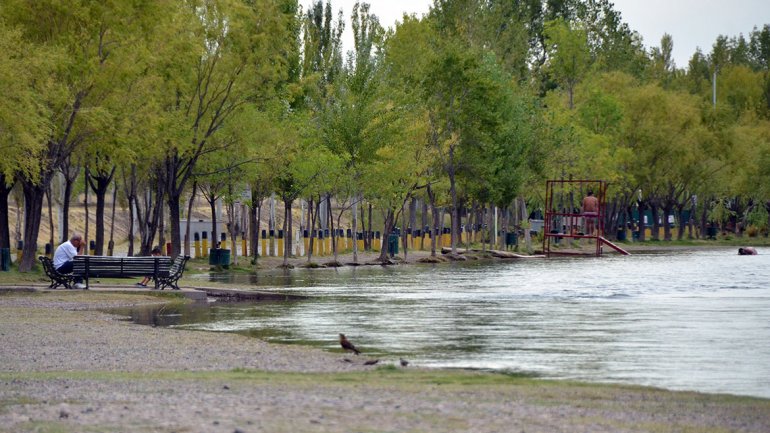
{"points": [[254, 224], [386, 229], [111, 243], [33, 210], [667, 210], [287, 203], [99, 185], [655, 222], [5, 233], [642, 207], [187, 251]]}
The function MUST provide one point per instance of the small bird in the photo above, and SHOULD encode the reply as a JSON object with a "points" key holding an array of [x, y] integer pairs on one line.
{"points": [[371, 362], [404, 362], [347, 345]]}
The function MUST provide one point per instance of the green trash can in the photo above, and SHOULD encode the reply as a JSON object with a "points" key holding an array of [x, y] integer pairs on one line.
{"points": [[214, 256], [393, 244], [5, 259], [511, 239], [224, 258]]}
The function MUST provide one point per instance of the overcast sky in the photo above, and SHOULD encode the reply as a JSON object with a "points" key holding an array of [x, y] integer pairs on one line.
{"points": [[692, 23]]}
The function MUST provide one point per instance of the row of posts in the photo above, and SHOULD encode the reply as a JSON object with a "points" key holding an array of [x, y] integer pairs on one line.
{"points": [[272, 242]]}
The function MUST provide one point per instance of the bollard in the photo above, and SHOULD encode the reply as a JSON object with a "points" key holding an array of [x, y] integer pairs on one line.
{"points": [[110, 248], [197, 244], [264, 243], [271, 243], [205, 244], [244, 245], [223, 242], [91, 247], [409, 238], [349, 239], [48, 250], [418, 234], [377, 244], [169, 248], [328, 242], [319, 250], [280, 244], [306, 239]]}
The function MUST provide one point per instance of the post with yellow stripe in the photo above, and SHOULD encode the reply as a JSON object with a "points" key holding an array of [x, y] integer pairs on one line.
{"points": [[197, 244], [205, 242]]}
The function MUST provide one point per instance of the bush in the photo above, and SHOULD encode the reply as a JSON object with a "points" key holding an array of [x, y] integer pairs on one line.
{"points": [[752, 231]]}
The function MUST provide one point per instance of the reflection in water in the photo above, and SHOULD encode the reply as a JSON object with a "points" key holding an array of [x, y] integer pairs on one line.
{"points": [[694, 320]]}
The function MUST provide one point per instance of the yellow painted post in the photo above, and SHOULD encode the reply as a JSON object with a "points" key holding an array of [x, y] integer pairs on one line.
{"points": [[19, 249], [306, 239], [409, 239], [319, 241], [205, 244], [92, 247], [328, 242], [263, 253], [271, 243], [244, 245], [377, 244], [223, 241], [197, 245], [280, 243]]}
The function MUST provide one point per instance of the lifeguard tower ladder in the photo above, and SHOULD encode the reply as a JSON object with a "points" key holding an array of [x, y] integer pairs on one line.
{"points": [[564, 220]]}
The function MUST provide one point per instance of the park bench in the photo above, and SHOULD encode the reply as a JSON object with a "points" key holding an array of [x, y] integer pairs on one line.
{"points": [[164, 272], [57, 279]]}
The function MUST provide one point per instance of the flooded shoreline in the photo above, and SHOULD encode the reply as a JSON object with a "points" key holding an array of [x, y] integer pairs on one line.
{"points": [[690, 320]]}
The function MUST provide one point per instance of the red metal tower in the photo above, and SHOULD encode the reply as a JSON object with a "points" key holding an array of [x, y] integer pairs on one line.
{"points": [[565, 220]]}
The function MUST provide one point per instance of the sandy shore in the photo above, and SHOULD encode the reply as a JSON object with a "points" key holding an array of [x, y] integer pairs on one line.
{"points": [[65, 367]]}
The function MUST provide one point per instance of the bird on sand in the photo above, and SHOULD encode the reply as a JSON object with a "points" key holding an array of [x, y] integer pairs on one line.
{"points": [[404, 362], [371, 362], [347, 345]]}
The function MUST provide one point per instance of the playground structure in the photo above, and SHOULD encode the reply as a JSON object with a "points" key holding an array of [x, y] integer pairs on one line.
{"points": [[565, 220]]}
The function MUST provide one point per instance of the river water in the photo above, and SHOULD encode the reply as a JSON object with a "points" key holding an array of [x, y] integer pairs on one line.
{"points": [[685, 320]]}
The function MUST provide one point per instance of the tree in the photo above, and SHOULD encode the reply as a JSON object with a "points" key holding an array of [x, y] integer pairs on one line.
{"points": [[93, 39], [222, 55], [569, 58]]}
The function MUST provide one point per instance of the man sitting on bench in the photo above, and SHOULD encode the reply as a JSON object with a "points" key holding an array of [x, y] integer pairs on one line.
{"points": [[64, 255]]}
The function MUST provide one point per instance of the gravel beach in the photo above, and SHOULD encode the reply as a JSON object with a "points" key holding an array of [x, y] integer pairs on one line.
{"points": [[66, 367]]}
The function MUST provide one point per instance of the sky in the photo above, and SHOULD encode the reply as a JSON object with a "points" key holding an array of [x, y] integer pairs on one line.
{"points": [[691, 23]]}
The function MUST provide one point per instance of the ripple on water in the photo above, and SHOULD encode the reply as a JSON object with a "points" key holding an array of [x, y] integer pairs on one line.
{"points": [[693, 320]]}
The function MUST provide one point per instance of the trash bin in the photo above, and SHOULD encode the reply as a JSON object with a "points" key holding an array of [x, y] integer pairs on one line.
{"points": [[214, 257], [511, 239], [711, 232], [621, 235], [392, 244], [224, 258], [635, 235], [5, 259]]}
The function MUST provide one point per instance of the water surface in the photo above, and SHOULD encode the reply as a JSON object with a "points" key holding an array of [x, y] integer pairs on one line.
{"points": [[686, 320]]}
